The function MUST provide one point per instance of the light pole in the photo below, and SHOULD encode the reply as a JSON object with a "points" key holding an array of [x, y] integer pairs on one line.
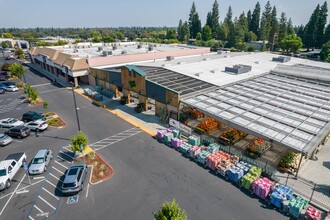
{"points": [[75, 106]]}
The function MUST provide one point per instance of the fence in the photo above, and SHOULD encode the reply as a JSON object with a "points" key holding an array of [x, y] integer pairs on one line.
{"points": [[317, 194]]}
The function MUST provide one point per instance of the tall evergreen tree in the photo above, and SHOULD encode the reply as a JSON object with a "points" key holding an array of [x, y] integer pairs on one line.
{"points": [[265, 24], [255, 20], [209, 19], [228, 22], [322, 21], [180, 31], [248, 19], [194, 21], [300, 31], [273, 34], [186, 31], [327, 33], [215, 18], [206, 33], [290, 28], [311, 29], [282, 27]]}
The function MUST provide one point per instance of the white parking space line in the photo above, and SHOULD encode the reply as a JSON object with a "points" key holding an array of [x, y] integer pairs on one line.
{"points": [[37, 85], [55, 177], [31, 218], [50, 193], [61, 164], [87, 190], [4, 196], [67, 149], [17, 141], [12, 195], [38, 209], [57, 170], [51, 183], [38, 177], [47, 202]]}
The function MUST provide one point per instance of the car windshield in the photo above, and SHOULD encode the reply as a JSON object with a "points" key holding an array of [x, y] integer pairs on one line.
{"points": [[2, 136], [37, 160], [73, 171], [3, 172], [12, 121], [69, 185]]}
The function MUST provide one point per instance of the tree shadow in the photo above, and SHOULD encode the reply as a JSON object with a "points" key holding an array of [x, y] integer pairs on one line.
{"points": [[326, 164], [324, 189]]}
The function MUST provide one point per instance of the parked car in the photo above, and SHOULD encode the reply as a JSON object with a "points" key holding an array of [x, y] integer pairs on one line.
{"points": [[9, 83], [5, 140], [12, 88], [10, 122], [38, 125], [19, 132], [3, 77], [9, 167], [32, 116], [74, 178], [2, 91], [2, 86], [40, 161]]}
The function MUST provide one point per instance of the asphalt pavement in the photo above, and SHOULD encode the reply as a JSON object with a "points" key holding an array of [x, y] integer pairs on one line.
{"points": [[147, 173]]}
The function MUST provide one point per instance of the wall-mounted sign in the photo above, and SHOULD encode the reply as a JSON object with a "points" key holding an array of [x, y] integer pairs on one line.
{"points": [[176, 124]]}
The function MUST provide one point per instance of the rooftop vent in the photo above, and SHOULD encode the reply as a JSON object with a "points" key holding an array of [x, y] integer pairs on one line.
{"points": [[150, 48], [205, 59], [181, 62], [105, 53], [212, 71], [281, 59], [114, 47], [99, 49], [139, 46], [169, 58], [239, 69], [123, 52]]}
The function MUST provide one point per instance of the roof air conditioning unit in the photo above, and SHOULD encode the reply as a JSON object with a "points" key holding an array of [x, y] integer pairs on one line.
{"points": [[114, 47], [99, 49], [109, 52], [123, 52], [169, 58], [139, 46], [105, 53]]}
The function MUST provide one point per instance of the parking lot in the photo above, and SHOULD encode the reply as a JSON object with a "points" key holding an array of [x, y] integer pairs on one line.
{"points": [[147, 173]]}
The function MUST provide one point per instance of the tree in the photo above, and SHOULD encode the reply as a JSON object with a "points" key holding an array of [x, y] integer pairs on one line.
{"points": [[108, 39], [265, 24], [215, 18], [32, 94], [96, 36], [78, 140], [199, 36], [282, 31], [274, 28], [171, 34], [180, 31], [255, 20], [223, 32], [7, 35], [324, 54], [61, 43], [291, 44], [206, 33], [327, 32], [209, 21], [290, 28], [321, 22], [45, 105], [6, 66], [249, 18], [185, 30], [19, 53], [311, 29], [194, 21], [170, 211], [17, 70], [250, 36], [4, 44]]}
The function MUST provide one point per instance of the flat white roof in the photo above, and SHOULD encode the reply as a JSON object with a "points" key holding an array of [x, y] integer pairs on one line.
{"points": [[291, 111], [211, 67]]}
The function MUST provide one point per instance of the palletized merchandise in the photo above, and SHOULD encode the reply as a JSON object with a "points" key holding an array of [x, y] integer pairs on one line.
{"points": [[194, 151], [176, 142], [281, 194], [296, 205], [168, 138], [184, 147], [312, 213], [235, 173], [213, 148], [194, 140], [213, 160], [161, 133], [255, 171], [201, 158], [247, 180], [262, 187], [176, 133]]}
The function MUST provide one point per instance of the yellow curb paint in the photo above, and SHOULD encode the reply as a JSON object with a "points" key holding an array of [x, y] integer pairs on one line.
{"points": [[143, 128]]}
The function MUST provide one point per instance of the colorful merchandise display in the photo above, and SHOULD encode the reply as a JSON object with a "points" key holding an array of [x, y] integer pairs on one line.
{"points": [[209, 125], [161, 133], [228, 134], [194, 140], [280, 195], [176, 133], [296, 205], [167, 138], [257, 147], [262, 187], [235, 173], [213, 160], [213, 148], [176, 142], [201, 158], [250, 177], [184, 147], [194, 151], [312, 214]]}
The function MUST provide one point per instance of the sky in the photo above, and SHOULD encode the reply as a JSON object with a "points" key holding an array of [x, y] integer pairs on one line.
{"points": [[145, 13]]}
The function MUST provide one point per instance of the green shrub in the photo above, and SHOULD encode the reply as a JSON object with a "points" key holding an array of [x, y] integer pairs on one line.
{"points": [[45, 105], [251, 48], [77, 140]]}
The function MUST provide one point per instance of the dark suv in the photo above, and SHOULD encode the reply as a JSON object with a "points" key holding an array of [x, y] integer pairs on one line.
{"points": [[19, 132], [32, 116]]}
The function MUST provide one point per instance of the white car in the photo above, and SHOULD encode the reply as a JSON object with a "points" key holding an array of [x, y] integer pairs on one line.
{"points": [[10, 122], [38, 125], [11, 88]]}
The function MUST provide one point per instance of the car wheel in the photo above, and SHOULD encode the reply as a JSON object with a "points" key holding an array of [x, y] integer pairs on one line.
{"points": [[37, 130], [8, 184], [45, 169]]}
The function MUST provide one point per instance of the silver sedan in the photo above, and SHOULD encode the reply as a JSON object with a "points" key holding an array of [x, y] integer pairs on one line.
{"points": [[5, 140]]}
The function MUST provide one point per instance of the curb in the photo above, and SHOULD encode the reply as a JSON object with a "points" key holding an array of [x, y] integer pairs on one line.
{"points": [[143, 128], [92, 167]]}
